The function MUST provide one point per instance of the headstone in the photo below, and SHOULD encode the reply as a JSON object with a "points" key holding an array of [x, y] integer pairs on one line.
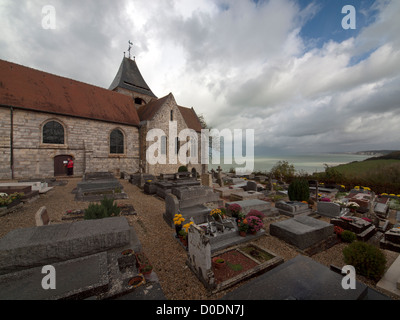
{"points": [[42, 217], [206, 179], [251, 186], [331, 209], [390, 281], [302, 231], [391, 240], [199, 255], [219, 177], [292, 208]]}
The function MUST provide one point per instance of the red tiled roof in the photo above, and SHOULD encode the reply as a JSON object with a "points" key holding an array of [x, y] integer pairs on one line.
{"points": [[147, 112], [191, 119], [27, 88]]}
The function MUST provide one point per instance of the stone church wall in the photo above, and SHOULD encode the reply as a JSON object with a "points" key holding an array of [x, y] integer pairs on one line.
{"points": [[85, 140], [161, 121]]}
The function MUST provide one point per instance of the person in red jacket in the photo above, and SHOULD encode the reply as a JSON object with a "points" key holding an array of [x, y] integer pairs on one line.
{"points": [[70, 167]]}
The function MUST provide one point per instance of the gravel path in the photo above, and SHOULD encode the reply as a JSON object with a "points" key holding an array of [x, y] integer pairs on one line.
{"points": [[157, 238]]}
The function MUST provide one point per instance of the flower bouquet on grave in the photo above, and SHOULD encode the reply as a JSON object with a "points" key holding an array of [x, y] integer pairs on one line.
{"points": [[183, 237], [235, 210], [353, 206], [216, 214], [243, 227], [255, 224], [178, 219]]}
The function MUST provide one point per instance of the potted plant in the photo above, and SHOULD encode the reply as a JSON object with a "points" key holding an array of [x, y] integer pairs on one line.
{"points": [[143, 263], [218, 262], [183, 237], [243, 227], [255, 224], [234, 210], [178, 219]]}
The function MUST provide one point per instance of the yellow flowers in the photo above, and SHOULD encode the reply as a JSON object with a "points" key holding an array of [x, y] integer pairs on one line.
{"points": [[187, 226], [343, 187], [178, 219], [215, 213]]}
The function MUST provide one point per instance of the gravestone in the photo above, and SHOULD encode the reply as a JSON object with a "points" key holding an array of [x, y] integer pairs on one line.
{"points": [[239, 195], [391, 240], [362, 228], [97, 185], [251, 186], [42, 217], [206, 180], [302, 231], [390, 282], [292, 208], [38, 246], [192, 202], [331, 209], [199, 255], [255, 204]]}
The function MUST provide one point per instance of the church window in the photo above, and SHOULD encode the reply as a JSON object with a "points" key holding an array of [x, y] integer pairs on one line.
{"points": [[53, 132], [116, 142], [177, 145], [172, 115], [164, 145], [139, 101]]}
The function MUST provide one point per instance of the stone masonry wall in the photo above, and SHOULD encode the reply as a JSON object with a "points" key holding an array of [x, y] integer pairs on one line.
{"points": [[161, 121], [86, 140]]}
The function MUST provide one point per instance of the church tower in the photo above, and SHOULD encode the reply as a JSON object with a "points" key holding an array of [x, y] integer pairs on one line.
{"points": [[129, 81]]}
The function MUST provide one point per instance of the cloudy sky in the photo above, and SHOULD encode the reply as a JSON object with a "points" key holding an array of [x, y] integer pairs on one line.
{"points": [[285, 68]]}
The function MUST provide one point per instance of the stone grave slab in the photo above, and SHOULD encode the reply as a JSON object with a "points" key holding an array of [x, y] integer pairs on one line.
{"points": [[391, 240], [361, 227], [300, 278], [331, 209], [41, 187], [245, 195], [254, 204], [302, 231], [193, 201], [95, 189], [30, 247], [75, 279], [292, 208]]}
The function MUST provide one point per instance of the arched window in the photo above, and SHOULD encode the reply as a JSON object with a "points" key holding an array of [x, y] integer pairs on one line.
{"points": [[116, 142], [139, 101], [53, 132]]}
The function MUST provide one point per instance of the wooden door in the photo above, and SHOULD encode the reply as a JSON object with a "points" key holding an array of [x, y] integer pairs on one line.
{"points": [[59, 166]]}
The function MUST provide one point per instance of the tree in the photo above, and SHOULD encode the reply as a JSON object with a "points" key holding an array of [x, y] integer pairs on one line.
{"points": [[282, 170], [299, 190]]}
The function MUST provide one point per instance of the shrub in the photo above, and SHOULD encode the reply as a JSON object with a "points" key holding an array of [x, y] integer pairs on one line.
{"points": [[182, 169], [348, 236], [105, 209], [299, 190], [367, 259]]}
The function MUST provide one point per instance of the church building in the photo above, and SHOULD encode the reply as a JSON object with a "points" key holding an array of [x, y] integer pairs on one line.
{"points": [[46, 119]]}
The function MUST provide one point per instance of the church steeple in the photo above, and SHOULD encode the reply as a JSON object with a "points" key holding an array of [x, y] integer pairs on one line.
{"points": [[129, 81]]}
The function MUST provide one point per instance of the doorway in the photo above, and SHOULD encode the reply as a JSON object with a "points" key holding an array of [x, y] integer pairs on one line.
{"points": [[60, 164]]}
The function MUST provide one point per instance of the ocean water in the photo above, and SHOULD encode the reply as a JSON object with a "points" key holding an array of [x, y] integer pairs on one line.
{"points": [[309, 163]]}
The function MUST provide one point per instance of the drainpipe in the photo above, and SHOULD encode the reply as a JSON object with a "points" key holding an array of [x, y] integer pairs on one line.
{"points": [[12, 142]]}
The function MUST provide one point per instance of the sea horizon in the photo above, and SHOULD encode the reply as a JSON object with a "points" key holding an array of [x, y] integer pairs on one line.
{"points": [[310, 163]]}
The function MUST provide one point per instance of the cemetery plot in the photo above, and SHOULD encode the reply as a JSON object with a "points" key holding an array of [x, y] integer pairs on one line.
{"points": [[391, 240], [363, 228], [241, 263], [97, 185], [303, 232]]}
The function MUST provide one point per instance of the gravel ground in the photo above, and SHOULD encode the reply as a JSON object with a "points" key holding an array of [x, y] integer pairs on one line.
{"points": [[157, 238]]}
